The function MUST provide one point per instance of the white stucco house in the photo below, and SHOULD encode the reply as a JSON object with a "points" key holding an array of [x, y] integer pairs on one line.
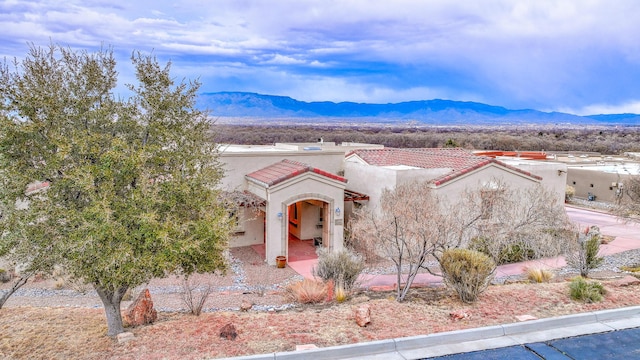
{"points": [[306, 191]]}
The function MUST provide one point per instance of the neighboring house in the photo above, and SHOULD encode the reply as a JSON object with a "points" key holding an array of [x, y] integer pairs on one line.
{"points": [[307, 191], [604, 182], [599, 177]]}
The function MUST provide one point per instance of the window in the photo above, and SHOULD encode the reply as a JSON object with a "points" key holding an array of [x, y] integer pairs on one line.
{"points": [[490, 196]]}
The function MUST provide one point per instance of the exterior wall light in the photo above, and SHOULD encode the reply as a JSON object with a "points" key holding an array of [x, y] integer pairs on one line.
{"points": [[280, 216], [337, 211]]}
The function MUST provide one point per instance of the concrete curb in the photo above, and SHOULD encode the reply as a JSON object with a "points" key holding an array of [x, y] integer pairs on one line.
{"points": [[459, 341]]}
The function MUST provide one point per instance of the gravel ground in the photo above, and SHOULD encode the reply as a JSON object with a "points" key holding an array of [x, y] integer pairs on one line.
{"points": [[248, 279]]}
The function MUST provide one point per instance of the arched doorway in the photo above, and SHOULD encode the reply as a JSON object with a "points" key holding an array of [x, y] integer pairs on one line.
{"points": [[307, 228]]}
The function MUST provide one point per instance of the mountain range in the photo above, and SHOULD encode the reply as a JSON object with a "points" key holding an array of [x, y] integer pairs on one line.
{"points": [[441, 112]]}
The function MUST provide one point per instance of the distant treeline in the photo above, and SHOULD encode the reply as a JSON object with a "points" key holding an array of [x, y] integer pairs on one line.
{"points": [[606, 140]]}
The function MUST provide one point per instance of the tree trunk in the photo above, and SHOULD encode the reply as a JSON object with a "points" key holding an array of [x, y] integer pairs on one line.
{"points": [[17, 285], [111, 300]]}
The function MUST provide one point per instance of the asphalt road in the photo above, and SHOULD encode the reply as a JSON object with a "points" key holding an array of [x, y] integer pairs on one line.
{"points": [[622, 344]]}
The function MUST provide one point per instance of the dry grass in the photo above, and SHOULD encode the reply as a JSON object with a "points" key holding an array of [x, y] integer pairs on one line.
{"points": [[79, 333], [631, 268], [539, 275], [307, 291]]}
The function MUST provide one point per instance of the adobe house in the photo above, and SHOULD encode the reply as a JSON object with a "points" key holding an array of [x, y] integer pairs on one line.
{"points": [[307, 191], [294, 192]]}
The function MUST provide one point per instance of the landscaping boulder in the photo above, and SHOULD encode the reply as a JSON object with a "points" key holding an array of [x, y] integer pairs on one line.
{"points": [[141, 311], [458, 315], [229, 332], [246, 305], [363, 315]]}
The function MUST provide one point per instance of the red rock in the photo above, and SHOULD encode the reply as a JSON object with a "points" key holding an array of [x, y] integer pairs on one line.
{"points": [[229, 332], [458, 315], [246, 305], [363, 315], [141, 311]]}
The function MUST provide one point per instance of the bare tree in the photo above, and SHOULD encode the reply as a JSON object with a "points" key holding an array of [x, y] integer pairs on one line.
{"points": [[628, 201], [413, 225], [194, 293], [516, 223], [409, 229]]}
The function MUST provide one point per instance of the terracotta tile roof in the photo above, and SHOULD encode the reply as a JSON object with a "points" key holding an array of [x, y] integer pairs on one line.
{"points": [[459, 161], [284, 170]]}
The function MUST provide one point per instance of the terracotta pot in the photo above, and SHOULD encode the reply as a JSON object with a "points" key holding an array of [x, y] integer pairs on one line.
{"points": [[281, 261]]}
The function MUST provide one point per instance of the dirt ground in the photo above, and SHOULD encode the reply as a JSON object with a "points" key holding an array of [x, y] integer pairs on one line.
{"points": [[67, 327]]}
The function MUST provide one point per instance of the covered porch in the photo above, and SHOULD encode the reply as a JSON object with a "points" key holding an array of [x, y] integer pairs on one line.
{"points": [[304, 208]]}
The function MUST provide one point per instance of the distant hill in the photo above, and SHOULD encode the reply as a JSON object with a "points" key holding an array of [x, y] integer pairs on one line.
{"points": [[443, 112]]}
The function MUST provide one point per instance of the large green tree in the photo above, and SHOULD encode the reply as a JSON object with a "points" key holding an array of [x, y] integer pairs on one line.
{"points": [[129, 183]]}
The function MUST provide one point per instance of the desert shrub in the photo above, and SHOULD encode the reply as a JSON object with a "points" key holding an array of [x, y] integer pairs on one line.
{"points": [[481, 244], [584, 252], [342, 266], [307, 291], [516, 252], [467, 271], [539, 275], [587, 291], [506, 253], [194, 294]]}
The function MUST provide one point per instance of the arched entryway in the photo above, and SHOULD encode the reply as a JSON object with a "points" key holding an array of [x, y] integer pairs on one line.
{"points": [[300, 200], [307, 228]]}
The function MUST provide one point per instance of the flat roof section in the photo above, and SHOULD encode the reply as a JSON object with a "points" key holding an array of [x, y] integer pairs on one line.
{"points": [[622, 169]]}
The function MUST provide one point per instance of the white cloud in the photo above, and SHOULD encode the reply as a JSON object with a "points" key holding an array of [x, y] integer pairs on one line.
{"points": [[632, 107], [515, 53], [278, 59]]}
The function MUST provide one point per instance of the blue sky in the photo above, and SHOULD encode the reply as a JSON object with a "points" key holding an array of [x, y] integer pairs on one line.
{"points": [[581, 56]]}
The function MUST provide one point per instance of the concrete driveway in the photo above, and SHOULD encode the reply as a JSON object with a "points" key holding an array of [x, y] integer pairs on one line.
{"points": [[627, 234]]}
